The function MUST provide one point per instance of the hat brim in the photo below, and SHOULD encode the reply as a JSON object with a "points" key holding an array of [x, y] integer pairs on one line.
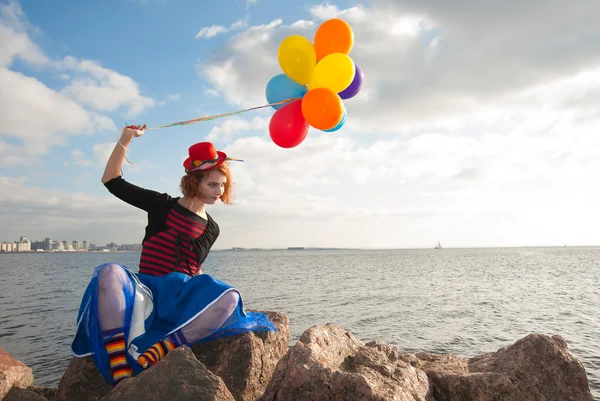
{"points": [[187, 164]]}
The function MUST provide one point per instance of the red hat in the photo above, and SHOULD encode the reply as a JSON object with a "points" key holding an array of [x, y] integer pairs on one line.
{"points": [[204, 156]]}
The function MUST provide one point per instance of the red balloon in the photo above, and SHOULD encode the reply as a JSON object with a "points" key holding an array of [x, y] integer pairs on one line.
{"points": [[288, 128]]}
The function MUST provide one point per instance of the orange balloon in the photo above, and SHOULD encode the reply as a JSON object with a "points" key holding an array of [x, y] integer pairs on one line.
{"points": [[322, 108], [333, 36]]}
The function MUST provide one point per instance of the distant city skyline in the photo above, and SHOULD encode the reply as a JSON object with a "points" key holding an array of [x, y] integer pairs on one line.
{"points": [[113, 246], [24, 244]]}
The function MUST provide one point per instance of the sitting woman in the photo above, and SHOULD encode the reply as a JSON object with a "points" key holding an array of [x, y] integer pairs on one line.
{"points": [[129, 321]]}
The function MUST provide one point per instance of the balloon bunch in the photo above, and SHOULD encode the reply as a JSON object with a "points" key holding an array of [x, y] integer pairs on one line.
{"points": [[317, 77]]}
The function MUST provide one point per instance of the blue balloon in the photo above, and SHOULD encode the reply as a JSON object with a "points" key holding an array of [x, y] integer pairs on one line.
{"points": [[281, 87], [339, 125]]}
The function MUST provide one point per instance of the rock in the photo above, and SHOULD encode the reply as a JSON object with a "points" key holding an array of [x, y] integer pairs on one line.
{"points": [[537, 367], [46, 392], [179, 376], [390, 378], [328, 363], [247, 361], [82, 382], [13, 373], [19, 394]]}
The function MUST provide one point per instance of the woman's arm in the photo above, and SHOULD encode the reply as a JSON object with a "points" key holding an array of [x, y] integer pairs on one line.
{"points": [[142, 198], [115, 161]]}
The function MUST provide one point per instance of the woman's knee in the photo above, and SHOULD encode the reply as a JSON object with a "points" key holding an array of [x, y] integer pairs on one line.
{"points": [[228, 302], [110, 276]]}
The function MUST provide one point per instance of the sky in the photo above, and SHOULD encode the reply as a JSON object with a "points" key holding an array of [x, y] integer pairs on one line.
{"points": [[478, 123]]}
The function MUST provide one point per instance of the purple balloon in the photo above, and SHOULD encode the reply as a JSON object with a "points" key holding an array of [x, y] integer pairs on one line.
{"points": [[355, 86]]}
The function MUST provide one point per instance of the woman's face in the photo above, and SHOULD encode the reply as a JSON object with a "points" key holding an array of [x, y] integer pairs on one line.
{"points": [[212, 187]]}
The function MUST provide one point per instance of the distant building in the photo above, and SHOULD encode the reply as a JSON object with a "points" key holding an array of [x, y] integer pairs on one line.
{"points": [[24, 245], [130, 247], [75, 245], [85, 246]]}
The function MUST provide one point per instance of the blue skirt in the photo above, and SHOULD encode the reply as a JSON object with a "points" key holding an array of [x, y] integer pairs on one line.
{"points": [[156, 306]]}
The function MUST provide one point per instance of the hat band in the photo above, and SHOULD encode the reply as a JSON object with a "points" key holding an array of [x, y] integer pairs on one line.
{"points": [[204, 164], [207, 164], [198, 163]]}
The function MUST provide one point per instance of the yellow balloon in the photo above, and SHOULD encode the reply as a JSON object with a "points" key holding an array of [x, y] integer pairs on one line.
{"points": [[334, 71], [297, 58]]}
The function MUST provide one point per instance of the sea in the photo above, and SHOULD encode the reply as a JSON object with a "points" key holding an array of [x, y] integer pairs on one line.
{"points": [[457, 301]]}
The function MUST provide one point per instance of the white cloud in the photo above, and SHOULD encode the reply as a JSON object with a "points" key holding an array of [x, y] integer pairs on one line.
{"points": [[453, 160], [104, 89], [422, 68], [210, 31], [39, 117], [29, 110], [102, 151], [214, 30], [449, 185], [236, 126], [77, 154], [83, 163], [62, 215], [15, 156], [15, 40], [327, 11]]}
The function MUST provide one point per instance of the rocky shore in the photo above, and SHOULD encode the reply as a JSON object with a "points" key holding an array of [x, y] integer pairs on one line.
{"points": [[327, 363]]}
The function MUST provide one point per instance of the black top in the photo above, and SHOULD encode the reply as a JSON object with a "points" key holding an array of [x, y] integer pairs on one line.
{"points": [[176, 239]]}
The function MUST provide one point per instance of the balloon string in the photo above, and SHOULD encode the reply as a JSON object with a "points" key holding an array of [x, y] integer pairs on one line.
{"points": [[209, 118]]}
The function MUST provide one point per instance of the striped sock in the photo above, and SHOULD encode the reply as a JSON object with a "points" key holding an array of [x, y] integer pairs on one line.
{"points": [[115, 347], [158, 351]]}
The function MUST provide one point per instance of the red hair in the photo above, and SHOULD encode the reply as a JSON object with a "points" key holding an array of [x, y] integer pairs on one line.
{"points": [[189, 182]]}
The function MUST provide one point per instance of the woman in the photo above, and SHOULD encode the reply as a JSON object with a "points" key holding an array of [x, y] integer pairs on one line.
{"points": [[129, 321]]}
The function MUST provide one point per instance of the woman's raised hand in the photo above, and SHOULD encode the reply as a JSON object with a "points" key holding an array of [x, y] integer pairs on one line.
{"points": [[133, 131]]}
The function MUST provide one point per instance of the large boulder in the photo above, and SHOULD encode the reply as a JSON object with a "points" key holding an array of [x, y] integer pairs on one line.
{"points": [[246, 362], [19, 394], [537, 367], [46, 392], [82, 382], [328, 363], [179, 376], [13, 373]]}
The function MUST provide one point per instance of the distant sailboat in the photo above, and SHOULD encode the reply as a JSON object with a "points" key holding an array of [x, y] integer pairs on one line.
{"points": [[438, 246]]}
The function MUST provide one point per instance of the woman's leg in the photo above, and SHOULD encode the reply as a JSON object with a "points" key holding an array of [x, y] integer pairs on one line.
{"points": [[212, 318], [111, 316], [202, 326]]}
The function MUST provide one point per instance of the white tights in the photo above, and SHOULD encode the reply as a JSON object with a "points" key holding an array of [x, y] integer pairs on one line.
{"points": [[111, 306]]}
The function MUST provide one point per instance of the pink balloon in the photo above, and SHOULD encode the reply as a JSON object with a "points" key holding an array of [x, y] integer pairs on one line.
{"points": [[288, 127]]}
